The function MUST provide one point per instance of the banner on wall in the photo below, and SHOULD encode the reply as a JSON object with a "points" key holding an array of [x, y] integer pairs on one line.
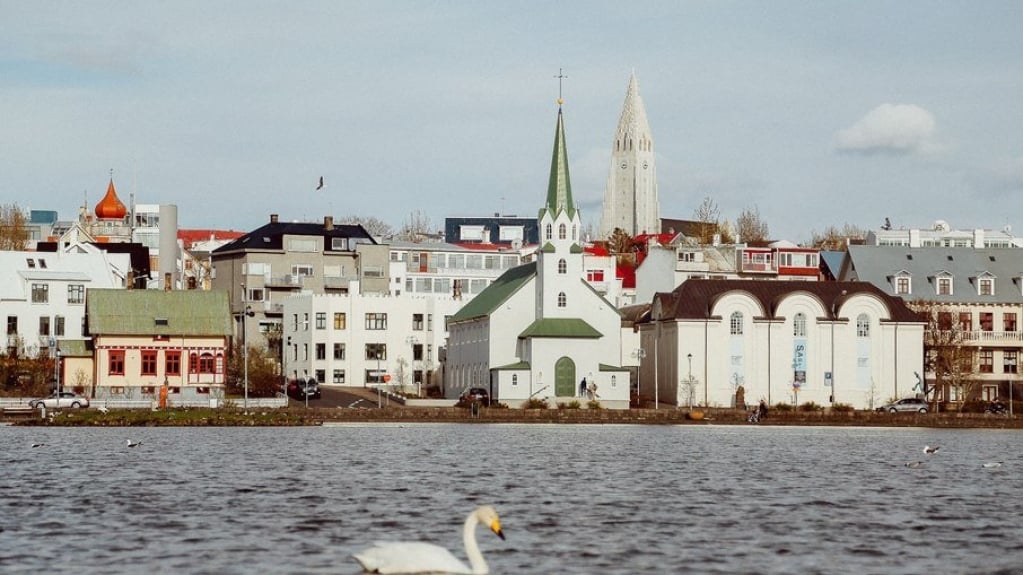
{"points": [[798, 362]]}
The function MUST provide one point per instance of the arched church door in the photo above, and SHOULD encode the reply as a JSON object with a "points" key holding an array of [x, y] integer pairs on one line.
{"points": [[564, 378]]}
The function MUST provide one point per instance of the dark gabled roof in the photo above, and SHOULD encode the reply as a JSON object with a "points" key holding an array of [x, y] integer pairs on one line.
{"points": [[694, 298], [496, 293], [138, 255], [270, 236], [564, 327], [158, 312]]}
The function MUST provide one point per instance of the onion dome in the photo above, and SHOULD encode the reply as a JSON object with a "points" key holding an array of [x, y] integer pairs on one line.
{"points": [[110, 207]]}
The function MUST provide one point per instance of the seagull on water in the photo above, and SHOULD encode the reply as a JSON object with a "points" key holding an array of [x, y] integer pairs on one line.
{"points": [[928, 450], [38, 444], [992, 464], [131, 443], [914, 464]]}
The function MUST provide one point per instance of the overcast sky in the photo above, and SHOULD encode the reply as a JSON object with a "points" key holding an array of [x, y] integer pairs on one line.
{"points": [[816, 113]]}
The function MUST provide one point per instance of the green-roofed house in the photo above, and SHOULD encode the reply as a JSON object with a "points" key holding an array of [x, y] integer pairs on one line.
{"points": [[145, 338], [540, 329]]}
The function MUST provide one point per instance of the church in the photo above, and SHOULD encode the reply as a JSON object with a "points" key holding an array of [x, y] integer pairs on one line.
{"points": [[540, 329]]}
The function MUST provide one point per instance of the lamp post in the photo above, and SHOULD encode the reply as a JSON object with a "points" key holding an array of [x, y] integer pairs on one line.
{"points": [[245, 352], [689, 384], [639, 353]]}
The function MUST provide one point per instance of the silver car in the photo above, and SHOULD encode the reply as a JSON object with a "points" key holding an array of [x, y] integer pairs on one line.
{"points": [[65, 399], [908, 404]]}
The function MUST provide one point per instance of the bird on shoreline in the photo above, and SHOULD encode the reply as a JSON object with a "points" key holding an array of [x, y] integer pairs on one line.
{"points": [[928, 450], [131, 443]]}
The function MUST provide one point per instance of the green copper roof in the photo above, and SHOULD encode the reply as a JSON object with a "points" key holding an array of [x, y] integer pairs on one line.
{"points": [[560, 327], [158, 312], [559, 188], [496, 293], [75, 347], [519, 365]]}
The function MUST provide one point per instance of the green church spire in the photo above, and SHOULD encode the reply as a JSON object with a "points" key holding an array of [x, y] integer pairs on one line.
{"points": [[559, 187]]}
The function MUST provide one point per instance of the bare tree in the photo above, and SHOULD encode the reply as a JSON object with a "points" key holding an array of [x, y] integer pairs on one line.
{"points": [[947, 359], [750, 227], [13, 228], [708, 215], [621, 246], [833, 238], [376, 227], [416, 227]]}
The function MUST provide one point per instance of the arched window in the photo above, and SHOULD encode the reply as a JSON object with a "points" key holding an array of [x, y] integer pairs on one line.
{"points": [[515, 379], [575, 232], [862, 325], [562, 266], [562, 231], [799, 325], [562, 299], [736, 323], [614, 380], [548, 232]]}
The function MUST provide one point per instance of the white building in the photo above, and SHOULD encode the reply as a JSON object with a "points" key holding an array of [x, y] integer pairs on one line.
{"points": [[782, 341], [540, 329], [942, 235], [630, 199]]}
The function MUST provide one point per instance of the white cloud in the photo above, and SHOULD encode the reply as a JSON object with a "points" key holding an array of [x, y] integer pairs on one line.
{"points": [[890, 129]]}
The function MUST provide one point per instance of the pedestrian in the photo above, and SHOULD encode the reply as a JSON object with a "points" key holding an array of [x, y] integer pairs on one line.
{"points": [[592, 389], [762, 410], [582, 388]]}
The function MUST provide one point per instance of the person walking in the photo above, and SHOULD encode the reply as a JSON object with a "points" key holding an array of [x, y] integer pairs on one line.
{"points": [[582, 388], [762, 410]]}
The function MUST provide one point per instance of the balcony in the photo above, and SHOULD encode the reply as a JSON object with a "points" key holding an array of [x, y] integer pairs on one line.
{"points": [[1004, 337], [288, 281]]}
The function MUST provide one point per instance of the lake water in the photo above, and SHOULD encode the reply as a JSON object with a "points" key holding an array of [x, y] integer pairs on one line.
{"points": [[584, 499]]}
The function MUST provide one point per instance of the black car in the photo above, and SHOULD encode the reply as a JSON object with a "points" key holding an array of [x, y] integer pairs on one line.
{"points": [[301, 389], [474, 394]]}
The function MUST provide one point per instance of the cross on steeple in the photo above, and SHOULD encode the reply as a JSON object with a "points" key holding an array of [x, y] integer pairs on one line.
{"points": [[561, 76]]}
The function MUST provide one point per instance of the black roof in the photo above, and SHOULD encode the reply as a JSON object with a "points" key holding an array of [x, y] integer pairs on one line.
{"points": [[270, 236]]}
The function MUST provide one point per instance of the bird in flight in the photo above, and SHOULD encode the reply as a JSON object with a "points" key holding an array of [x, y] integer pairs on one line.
{"points": [[320, 187], [131, 443], [928, 450]]}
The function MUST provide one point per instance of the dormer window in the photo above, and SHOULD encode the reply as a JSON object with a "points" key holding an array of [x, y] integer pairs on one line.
{"points": [[903, 284], [986, 286], [944, 285]]}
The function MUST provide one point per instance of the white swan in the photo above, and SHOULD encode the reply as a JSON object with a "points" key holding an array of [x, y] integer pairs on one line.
{"points": [[417, 557]]}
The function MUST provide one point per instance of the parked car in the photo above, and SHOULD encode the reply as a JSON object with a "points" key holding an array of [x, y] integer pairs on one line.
{"points": [[65, 399], [300, 389], [474, 394], [908, 404]]}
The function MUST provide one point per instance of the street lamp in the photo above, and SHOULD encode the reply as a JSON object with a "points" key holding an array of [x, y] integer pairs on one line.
{"points": [[245, 352], [639, 353]]}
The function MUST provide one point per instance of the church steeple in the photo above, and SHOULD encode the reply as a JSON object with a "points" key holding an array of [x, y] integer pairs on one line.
{"points": [[559, 186], [110, 207]]}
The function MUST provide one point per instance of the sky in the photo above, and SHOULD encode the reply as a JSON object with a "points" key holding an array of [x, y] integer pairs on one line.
{"points": [[812, 113]]}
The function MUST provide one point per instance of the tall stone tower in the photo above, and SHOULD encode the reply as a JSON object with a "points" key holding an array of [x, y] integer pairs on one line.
{"points": [[630, 200]]}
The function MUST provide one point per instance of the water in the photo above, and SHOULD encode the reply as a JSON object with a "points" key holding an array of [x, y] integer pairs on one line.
{"points": [[573, 499]]}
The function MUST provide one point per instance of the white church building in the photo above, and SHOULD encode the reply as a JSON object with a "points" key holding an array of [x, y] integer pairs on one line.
{"points": [[540, 328]]}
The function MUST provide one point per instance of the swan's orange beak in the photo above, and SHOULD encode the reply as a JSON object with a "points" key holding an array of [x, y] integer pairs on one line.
{"points": [[495, 526]]}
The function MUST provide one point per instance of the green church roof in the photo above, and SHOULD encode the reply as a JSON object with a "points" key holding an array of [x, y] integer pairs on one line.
{"points": [[559, 186], [496, 293], [561, 327], [158, 312]]}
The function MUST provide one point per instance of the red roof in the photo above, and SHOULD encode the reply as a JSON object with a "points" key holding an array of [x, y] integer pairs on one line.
{"points": [[190, 237], [110, 207]]}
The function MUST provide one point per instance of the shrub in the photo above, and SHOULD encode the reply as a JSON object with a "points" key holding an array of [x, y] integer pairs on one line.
{"points": [[842, 408], [534, 403], [782, 407], [810, 406], [570, 405], [593, 404]]}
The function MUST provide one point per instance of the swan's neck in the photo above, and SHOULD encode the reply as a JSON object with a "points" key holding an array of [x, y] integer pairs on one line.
{"points": [[472, 550]]}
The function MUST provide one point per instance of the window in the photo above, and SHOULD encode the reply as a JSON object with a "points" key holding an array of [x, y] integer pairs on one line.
{"points": [[902, 285], [614, 380], [686, 257], [862, 325], [376, 321], [594, 275], [339, 376], [986, 360], [376, 351], [429, 352], [429, 322], [305, 322], [417, 352], [799, 325], [944, 320], [966, 321], [294, 318], [339, 351], [172, 363], [562, 232], [1010, 361], [44, 325], [58, 328], [339, 321], [736, 323], [257, 294], [1009, 321], [321, 320], [321, 351], [548, 232], [987, 321], [562, 300], [986, 286], [12, 325], [148, 362], [562, 266], [944, 286], [321, 375], [40, 293], [417, 322], [115, 362], [76, 293], [302, 270]]}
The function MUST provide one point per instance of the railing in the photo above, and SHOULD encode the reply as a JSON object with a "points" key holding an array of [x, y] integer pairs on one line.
{"points": [[977, 336], [254, 402]]}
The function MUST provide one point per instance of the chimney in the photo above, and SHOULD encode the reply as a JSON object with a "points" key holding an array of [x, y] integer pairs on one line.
{"points": [[167, 282], [273, 218], [328, 223]]}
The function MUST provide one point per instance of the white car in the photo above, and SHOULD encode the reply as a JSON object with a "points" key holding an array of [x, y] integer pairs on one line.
{"points": [[908, 404], [65, 399]]}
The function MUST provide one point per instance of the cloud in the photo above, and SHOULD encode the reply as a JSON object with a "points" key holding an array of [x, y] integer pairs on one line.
{"points": [[899, 129]]}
